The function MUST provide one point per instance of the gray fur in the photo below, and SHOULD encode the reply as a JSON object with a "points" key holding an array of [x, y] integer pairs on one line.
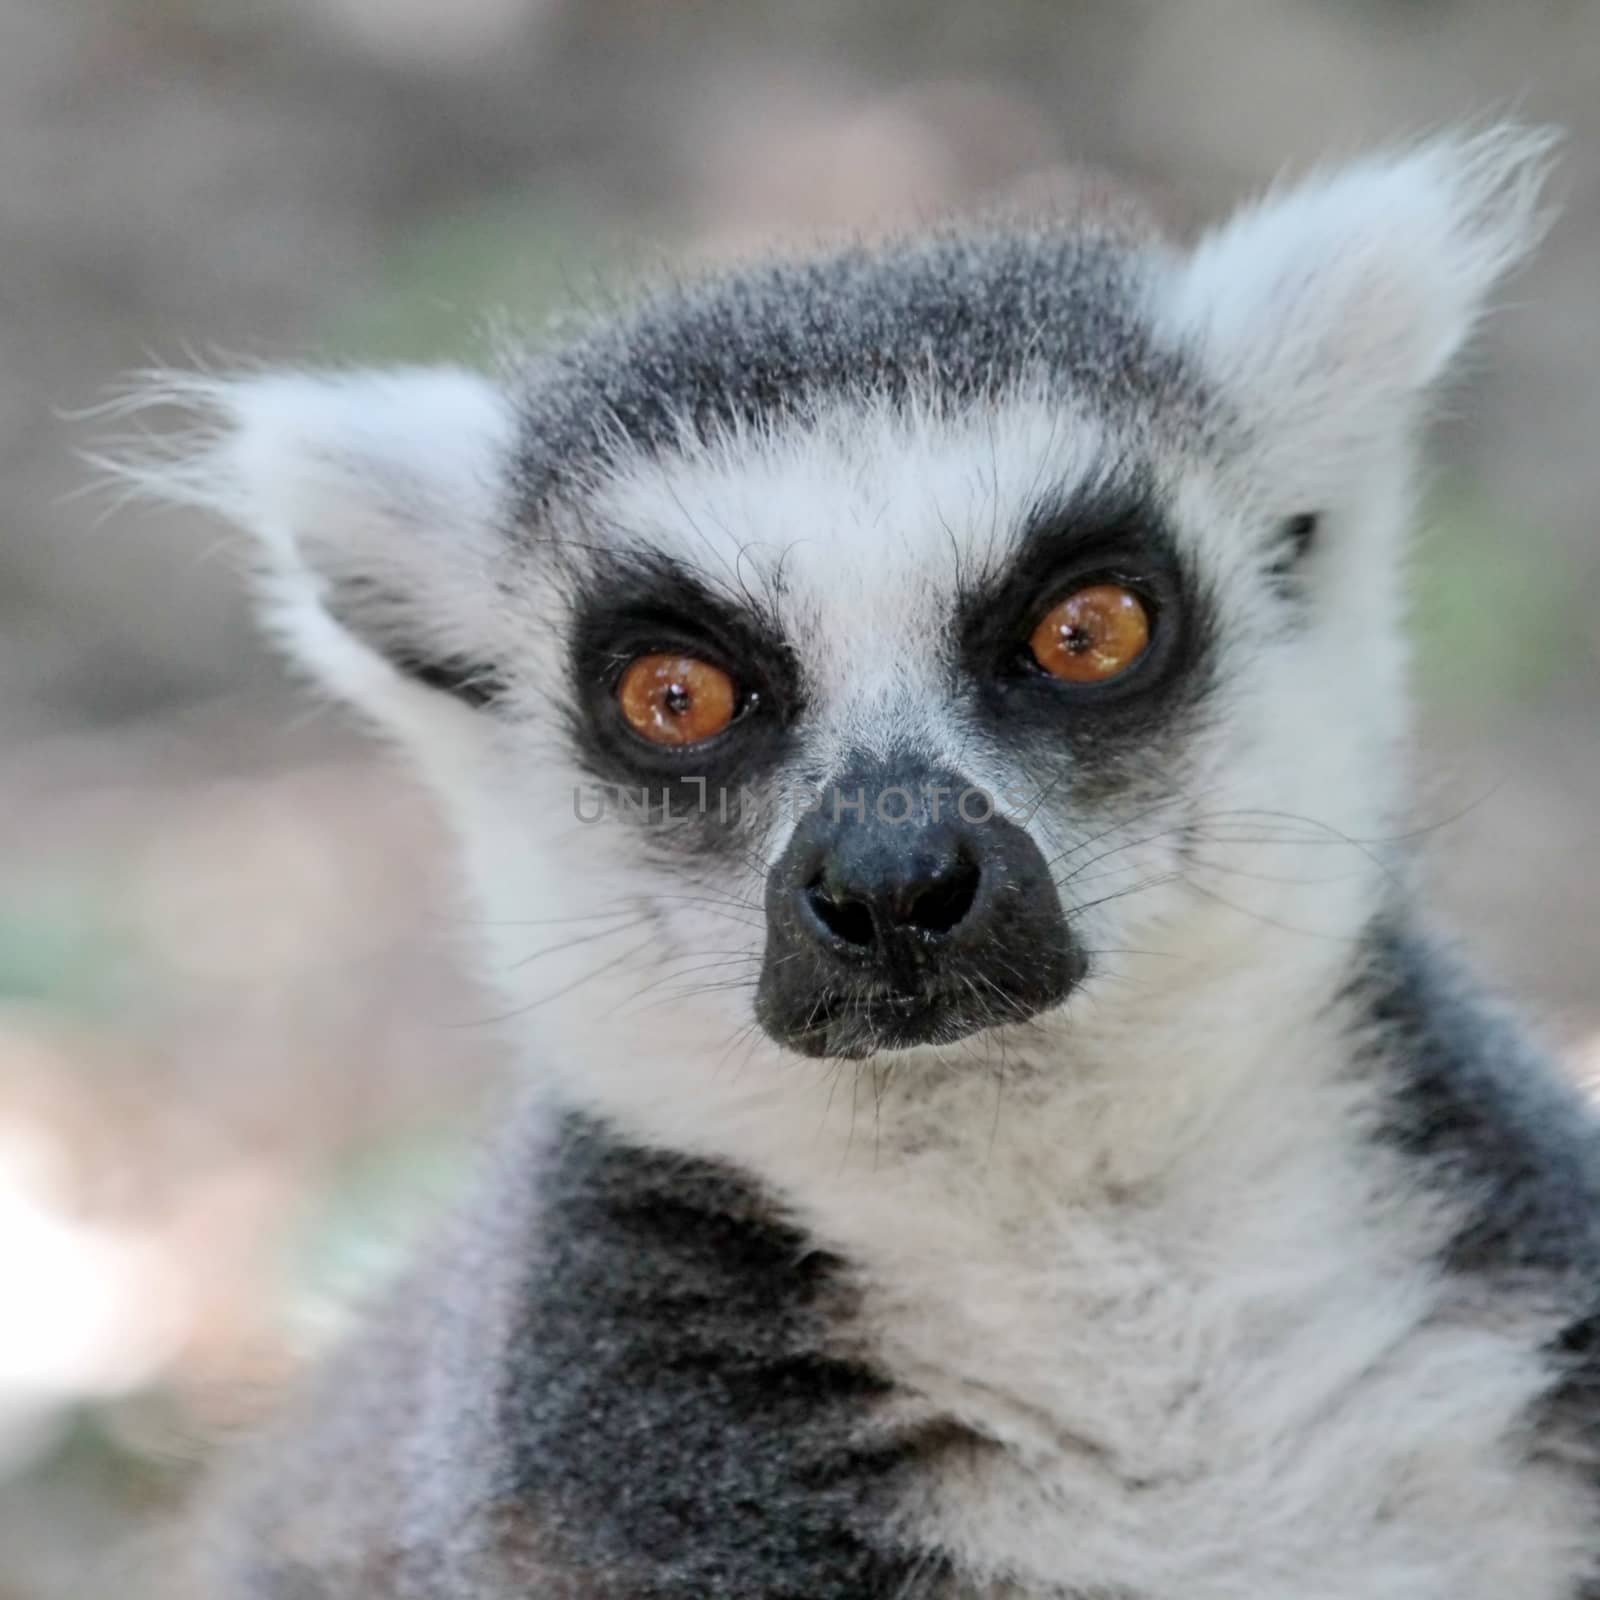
{"points": [[677, 1323], [1514, 1147], [1477, 1106], [950, 319], [629, 1376], [649, 1392]]}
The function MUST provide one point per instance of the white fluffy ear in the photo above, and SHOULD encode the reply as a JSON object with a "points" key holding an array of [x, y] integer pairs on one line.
{"points": [[377, 503], [1329, 307]]}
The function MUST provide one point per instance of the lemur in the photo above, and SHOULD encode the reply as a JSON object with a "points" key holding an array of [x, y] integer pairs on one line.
{"points": [[925, 725]]}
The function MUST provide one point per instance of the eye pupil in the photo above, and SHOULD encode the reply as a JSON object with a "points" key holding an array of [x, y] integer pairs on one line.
{"points": [[677, 699]]}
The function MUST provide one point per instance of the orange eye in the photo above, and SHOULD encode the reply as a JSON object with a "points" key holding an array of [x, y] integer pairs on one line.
{"points": [[1094, 634], [676, 700]]}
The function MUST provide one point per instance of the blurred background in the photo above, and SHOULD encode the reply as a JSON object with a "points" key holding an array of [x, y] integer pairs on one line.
{"points": [[239, 1064]]}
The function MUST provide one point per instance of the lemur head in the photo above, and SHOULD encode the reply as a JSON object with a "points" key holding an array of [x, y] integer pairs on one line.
{"points": [[986, 640]]}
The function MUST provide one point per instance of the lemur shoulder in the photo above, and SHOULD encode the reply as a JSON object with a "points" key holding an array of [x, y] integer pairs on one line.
{"points": [[926, 726]]}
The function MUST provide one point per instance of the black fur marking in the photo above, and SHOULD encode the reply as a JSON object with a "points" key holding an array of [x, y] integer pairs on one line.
{"points": [[386, 623], [1108, 731], [679, 1422], [958, 318], [470, 682], [1299, 532], [1517, 1147], [1498, 1123], [634, 603], [1292, 543]]}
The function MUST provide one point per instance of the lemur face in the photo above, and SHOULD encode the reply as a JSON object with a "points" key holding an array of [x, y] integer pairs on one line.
{"points": [[881, 683], [913, 652]]}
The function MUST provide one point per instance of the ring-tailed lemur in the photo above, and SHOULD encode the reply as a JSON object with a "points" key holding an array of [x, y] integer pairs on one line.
{"points": [[925, 725]]}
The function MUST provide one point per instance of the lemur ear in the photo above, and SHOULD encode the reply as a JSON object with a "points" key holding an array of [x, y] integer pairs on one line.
{"points": [[1329, 307], [375, 500]]}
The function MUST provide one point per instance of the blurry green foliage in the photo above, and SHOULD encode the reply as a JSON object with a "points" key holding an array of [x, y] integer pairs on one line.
{"points": [[454, 287], [100, 1460], [58, 949], [364, 1225], [1492, 628]]}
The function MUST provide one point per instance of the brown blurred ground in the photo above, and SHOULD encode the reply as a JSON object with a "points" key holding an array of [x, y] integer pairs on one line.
{"points": [[236, 1053]]}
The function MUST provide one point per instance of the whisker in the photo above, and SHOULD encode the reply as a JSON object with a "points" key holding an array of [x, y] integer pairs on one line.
{"points": [[566, 989], [1263, 918], [573, 944]]}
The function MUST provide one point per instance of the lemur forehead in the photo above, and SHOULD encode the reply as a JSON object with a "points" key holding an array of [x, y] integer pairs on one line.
{"points": [[949, 320]]}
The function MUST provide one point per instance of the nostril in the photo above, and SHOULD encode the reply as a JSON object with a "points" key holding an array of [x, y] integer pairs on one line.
{"points": [[929, 898], [850, 920], [942, 905]]}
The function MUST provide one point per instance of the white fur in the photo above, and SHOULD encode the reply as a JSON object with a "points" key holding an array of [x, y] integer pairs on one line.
{"points": [[1134, 1242], [1330, 307]]}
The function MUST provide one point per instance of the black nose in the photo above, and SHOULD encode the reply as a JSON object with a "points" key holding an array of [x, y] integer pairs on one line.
{"points": [[907, 909], [872, 895]]}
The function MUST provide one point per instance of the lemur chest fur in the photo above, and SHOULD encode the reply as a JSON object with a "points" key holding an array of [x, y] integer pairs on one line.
{"points": [[1240, 1374], [1160, 1411], [1229, 1381]]}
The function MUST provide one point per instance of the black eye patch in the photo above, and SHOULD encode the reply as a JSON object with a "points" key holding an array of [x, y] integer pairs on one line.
{"points": [[634, 604], [1106, 732], [1112, 537]]}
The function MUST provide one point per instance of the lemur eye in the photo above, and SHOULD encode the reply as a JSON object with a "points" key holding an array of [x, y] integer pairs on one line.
{"points": [[1094, 634], [676, 700]]}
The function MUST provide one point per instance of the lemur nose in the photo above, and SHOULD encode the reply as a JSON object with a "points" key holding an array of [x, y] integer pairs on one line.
{"points": [[906, 910], [868, 897]]}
